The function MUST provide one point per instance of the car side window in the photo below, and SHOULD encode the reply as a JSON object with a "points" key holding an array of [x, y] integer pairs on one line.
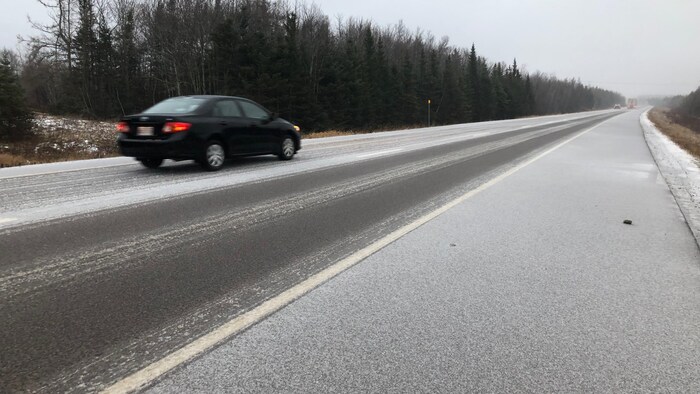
{"points": [[253, 111], [227, 108]]}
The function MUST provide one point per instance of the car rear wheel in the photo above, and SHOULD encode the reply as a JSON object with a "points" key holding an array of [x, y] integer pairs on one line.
{"points": [[287, 149], [214, 156], [151, 163]]}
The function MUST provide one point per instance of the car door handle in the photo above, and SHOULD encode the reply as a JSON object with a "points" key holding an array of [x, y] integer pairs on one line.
{"points": [[222, 123]]}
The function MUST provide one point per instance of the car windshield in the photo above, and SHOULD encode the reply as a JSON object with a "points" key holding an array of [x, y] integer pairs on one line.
{"points": [[177, 105]]}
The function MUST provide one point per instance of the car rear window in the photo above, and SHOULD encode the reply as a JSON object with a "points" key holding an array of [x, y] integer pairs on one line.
{"points": [[177, 105]]}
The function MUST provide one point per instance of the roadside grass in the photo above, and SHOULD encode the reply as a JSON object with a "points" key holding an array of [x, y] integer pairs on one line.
{"points": [[10, 160], [331, 133], [59, 138], [685, 137], [340, 133]]}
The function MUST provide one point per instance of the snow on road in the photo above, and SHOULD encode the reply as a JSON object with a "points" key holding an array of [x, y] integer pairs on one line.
{"points": [[534, 284], [49, 191]]}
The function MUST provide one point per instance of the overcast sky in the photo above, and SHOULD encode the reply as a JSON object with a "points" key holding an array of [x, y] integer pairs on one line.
{"points": [[634, 47]]}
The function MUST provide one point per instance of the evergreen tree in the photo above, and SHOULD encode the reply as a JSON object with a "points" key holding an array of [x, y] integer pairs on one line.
{"points": [[126, 62], [224, 56], [529, 100], [515, 90], [452, 106], [15, 118], [485, 98], [691, 104], [102, 88], [83, 76], [406, 103], [474, 93], [501, 100]]}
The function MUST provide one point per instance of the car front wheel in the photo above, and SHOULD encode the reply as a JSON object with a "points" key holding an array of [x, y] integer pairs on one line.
{"points": [[287, 149], [214, 156]]}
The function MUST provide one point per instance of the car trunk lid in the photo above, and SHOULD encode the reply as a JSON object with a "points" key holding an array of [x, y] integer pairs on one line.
{"points": [[148, 126]]}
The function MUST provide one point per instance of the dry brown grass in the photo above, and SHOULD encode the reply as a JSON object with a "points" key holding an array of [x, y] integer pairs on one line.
{"points": [[39, 150], [10, 160], [339, 133], [686, 138], [331, 133]]}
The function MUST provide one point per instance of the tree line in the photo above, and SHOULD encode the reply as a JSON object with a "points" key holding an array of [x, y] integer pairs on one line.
{"points": [[690, 104], [15, 116], [105, 58], [685, 109]]}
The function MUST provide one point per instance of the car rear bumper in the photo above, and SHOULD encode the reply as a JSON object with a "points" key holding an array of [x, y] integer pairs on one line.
{"points": [[165, 149]]}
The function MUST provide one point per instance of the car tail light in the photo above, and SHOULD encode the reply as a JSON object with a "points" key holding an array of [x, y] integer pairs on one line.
{"points": [[176, 127], [123, 127]]}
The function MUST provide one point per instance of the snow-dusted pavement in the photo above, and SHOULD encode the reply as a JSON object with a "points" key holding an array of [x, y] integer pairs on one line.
{"points": [[57, 190], [530, 279], [532, 285]]}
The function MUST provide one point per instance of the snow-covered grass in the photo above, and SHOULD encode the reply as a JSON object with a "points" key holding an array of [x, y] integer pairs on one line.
{"points": [[683, 136], [60, 138], [329, 133], [680, 169]]}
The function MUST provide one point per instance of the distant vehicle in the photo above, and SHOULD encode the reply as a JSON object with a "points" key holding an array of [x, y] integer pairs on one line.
{"points": [[207, 129], [617, 106], [632, 103]]}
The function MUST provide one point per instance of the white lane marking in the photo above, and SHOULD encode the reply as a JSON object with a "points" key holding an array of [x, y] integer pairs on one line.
{"points": [[7, 220], [381, 153], [150, 373], [68, 170]]}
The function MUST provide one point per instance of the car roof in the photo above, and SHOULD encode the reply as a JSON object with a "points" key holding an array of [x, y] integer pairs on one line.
{"points": [[211, 96]]}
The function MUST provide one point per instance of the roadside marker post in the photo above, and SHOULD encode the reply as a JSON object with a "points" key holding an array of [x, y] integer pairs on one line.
{"points": [[428, 112]]}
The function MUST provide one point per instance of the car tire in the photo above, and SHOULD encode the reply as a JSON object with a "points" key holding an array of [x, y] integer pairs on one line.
{"points": [[287, 149], [214, 156], [151, 163]]}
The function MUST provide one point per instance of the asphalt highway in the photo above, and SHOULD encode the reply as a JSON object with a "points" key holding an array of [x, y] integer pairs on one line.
{"points": [[106, 267], [533, 284]]}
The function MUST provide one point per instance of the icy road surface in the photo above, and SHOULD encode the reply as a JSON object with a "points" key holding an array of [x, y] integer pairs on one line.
{"points": [[532, 285], [106, 268], [49, 191]]}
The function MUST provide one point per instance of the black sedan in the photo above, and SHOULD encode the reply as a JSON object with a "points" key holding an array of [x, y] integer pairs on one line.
{"points": [[207, 129]]}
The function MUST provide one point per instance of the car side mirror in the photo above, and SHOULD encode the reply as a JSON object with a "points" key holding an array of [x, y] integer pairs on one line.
{"points": [[274, 116], [270, 118]]}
